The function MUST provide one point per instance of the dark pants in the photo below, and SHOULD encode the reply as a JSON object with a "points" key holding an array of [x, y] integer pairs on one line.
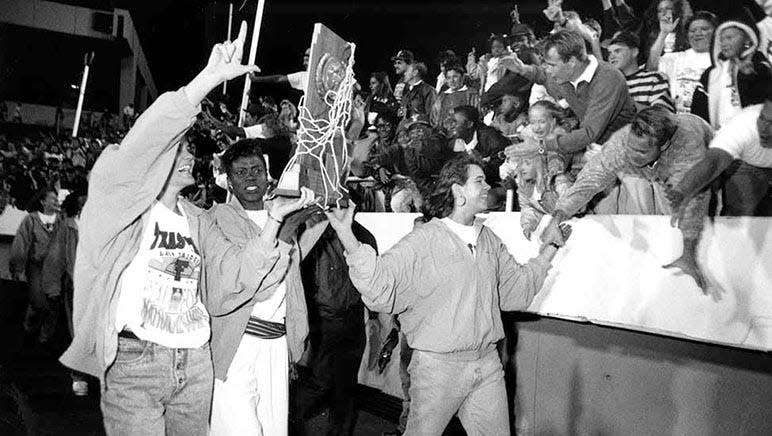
{"points": [[337, 345]]}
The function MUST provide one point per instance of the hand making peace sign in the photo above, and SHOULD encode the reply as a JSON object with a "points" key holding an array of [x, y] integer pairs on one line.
{"points": [[225, 59]]}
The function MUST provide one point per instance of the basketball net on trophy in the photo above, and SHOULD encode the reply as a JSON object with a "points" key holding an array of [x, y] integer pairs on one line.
{"points": [[321, 158]]}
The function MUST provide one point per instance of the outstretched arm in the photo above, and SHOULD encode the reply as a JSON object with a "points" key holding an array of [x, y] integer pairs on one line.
{"points": [[385, 281], [701, 175], [597, 174], [275, 79]]}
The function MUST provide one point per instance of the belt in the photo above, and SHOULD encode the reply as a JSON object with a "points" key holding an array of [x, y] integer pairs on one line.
{"points": [[127, 334], [265, 329]]}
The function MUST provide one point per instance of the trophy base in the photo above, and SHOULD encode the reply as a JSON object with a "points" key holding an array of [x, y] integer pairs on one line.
{"points": [[289, 193]]}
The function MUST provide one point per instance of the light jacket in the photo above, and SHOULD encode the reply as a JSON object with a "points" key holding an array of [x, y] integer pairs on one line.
{"points": [[448, 300], [123, 186], [31, 243], [29, 249], [228, 327], [686, 147], [59, 265]]}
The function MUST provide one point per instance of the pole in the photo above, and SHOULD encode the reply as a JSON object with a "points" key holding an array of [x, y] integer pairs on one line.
{"points": [[252, 54], [230, 24], [87, 59]]}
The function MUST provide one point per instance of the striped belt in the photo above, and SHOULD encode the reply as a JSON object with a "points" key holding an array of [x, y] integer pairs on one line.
{"points": [[265, 329]]}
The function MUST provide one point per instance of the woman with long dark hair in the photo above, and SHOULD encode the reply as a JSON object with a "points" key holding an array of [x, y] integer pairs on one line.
{"points": [[381, 99], [665, 29], [449, 280]]}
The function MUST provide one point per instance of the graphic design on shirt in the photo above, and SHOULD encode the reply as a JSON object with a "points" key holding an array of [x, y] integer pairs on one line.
{"points": [[688, 80], [169, 301]]}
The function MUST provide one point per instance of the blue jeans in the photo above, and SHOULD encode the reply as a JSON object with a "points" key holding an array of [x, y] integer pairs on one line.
{"points": [[155, 390], [443, 384]]}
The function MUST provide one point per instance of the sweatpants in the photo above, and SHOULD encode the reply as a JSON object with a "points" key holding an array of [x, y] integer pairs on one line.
{"points": [[254, 398]]}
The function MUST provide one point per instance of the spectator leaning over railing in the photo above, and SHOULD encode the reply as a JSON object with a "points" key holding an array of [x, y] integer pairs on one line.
{"points": [[656, 146]]}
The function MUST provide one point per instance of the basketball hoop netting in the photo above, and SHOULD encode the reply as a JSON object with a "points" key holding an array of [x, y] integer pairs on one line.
{"points": [[316, 140]]}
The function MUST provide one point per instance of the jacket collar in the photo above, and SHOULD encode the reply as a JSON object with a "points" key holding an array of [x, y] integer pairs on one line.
{"points": [[461, 89], [588, 73], [189, 209]]}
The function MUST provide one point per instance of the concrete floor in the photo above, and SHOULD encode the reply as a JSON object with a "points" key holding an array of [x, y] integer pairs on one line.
{"points": [[39, 389]]}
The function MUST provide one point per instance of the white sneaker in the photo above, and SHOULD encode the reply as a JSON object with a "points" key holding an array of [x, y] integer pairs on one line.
{"points": [[80, 388]]}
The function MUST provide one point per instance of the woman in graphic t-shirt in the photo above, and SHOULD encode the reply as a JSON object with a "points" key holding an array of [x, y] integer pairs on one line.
{"points": [[684, 68]]}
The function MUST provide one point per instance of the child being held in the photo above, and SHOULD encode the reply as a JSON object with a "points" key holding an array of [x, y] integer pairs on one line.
{"points": [[538, 190], [540, 175]]}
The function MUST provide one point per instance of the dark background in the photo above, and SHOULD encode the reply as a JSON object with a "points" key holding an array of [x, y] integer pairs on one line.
{"points": [[177, 35]]}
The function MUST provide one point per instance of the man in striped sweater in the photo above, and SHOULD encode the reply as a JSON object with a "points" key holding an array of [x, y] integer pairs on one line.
{"points": [[647, 88]]}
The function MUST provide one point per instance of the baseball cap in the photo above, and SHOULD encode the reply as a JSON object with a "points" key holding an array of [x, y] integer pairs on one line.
{"points": [[404, 55], [521, 29], [416, 120]]}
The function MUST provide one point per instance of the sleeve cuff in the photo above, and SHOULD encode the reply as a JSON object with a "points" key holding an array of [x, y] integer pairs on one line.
{"points": [[541, 264], [284, 248], [181, 103], [359, 256]]}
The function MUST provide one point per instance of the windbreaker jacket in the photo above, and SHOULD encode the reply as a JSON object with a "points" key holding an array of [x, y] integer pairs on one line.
{"points": [[228, 327], [448, 300], [123, 186], [60, 260], [687, 147]]}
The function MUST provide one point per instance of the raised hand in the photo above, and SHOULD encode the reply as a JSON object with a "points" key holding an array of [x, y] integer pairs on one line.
{"points": [[513, 63], [554, 234], [282, 206], [668, 25], [341, 219], [225, 59], [554, 11], [515, 15], [224, 64], [472, 56]]}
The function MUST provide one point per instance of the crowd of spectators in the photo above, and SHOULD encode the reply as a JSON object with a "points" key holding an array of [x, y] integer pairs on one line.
{"points": [[672, 56], [652, 113]]}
